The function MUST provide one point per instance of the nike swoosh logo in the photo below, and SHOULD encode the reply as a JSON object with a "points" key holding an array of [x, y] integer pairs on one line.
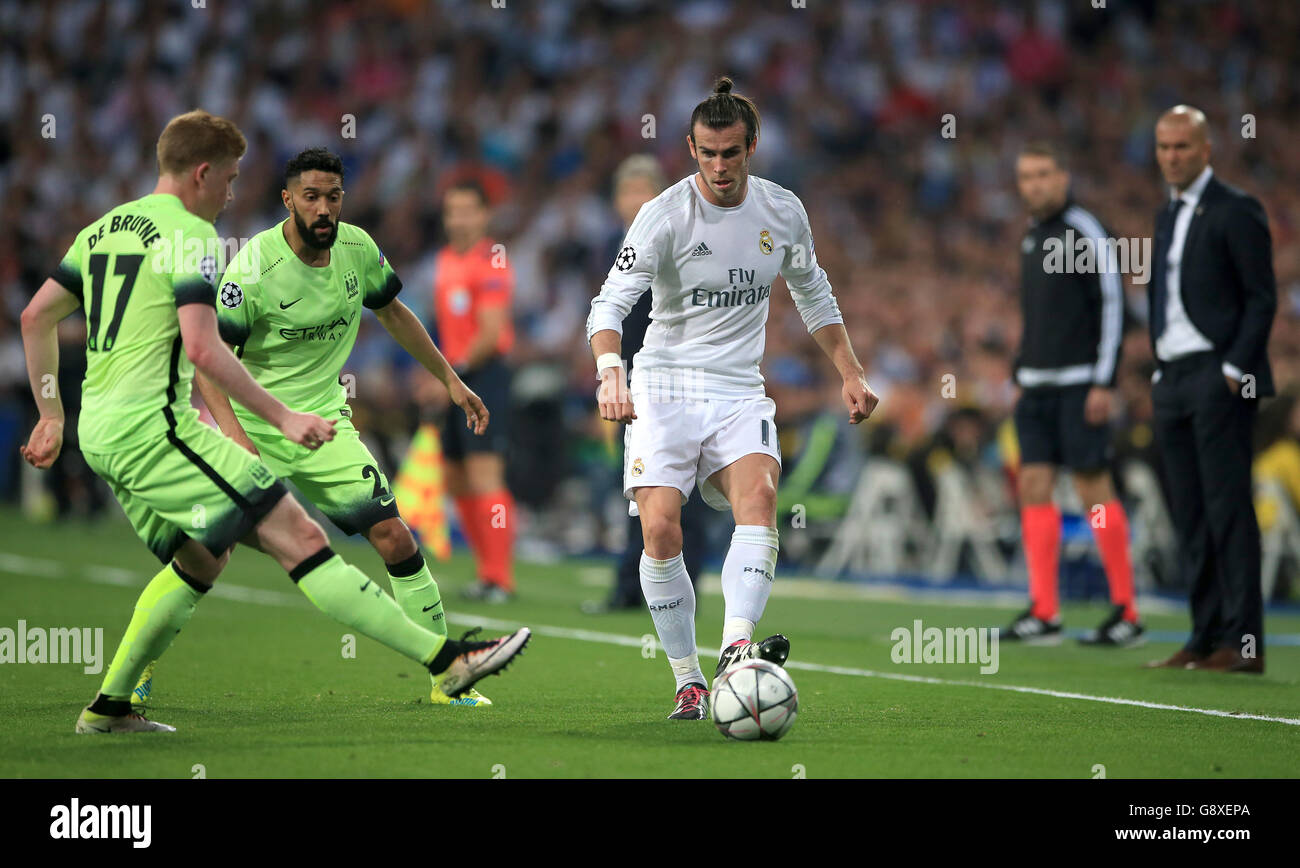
{"points": [[427, 608], [366, 585], [385, 501], [284, 306]]}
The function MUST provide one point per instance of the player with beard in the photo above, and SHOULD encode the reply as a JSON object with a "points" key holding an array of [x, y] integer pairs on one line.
{"points": [[709, 248], [141, 274], [290, 303]]}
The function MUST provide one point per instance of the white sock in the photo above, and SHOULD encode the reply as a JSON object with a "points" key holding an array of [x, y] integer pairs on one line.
{"points": [[747, 575], [671, 597], [687, 671], [735, 629]]}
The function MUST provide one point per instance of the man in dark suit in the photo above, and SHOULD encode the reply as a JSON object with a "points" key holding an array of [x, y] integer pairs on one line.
{"points": [[1212, 299]]}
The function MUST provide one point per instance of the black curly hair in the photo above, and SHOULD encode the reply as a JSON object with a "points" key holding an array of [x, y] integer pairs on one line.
{"points": [[313, 159]]}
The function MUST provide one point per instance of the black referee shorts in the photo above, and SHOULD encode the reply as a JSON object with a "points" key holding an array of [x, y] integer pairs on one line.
{"points": [[1051, 430], [491, 382]]}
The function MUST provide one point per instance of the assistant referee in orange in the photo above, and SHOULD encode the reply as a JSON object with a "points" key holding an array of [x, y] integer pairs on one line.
{"points": [[473, 284]]}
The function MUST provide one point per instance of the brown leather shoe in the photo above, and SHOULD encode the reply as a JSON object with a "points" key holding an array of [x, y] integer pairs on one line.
{"points": [[1249, 665], [1229, 660], [1181, 659]]}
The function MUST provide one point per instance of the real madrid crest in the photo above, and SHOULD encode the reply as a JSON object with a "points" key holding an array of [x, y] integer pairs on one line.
{"points": [[765, 241], [638, 467]]}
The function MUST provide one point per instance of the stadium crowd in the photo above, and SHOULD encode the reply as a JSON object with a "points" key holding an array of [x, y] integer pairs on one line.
{"points": [[915, 212]]}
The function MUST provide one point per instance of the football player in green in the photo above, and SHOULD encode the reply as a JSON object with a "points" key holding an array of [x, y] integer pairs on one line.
{"points": [[146, 274], [291, 304]]}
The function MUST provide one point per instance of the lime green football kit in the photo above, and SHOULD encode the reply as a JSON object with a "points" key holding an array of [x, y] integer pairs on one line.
{"points": [[294, 326], [175, 477]]}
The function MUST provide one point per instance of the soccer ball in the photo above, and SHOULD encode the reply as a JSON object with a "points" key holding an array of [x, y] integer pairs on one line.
{"points": [[754, 700]]}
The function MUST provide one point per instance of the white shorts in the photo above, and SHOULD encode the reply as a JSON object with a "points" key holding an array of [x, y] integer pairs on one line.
{"points": [[678, 444]]}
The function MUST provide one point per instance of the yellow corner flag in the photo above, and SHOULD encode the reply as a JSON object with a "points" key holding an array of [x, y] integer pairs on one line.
{"points": [[421, 494]]}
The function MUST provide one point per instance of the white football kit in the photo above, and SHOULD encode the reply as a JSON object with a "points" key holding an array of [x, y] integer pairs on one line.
{"points": [[696, 386]]}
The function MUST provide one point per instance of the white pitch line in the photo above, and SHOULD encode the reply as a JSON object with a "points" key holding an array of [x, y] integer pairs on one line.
{"points": [[19, 565], [807, 587], [1041, 691], [631, 641]]}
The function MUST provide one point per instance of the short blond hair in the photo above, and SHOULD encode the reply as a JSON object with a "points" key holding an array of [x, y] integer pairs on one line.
{"points": [[640, 166], [198, 137]]}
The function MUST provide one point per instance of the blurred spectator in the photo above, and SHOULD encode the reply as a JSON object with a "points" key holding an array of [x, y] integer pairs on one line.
{"points": [[541, 102], [1278, 458]]}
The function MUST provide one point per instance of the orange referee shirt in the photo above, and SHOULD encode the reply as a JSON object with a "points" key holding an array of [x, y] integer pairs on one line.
{"points": [[464, 284]]}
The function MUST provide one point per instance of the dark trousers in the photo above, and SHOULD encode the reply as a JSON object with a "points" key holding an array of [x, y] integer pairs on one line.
{"points": [[1204, 433]]}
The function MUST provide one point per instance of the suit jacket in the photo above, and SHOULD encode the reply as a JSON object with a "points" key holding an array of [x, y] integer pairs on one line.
{"points": [[1227, 283]]}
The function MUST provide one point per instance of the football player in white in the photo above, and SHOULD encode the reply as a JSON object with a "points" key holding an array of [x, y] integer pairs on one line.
{"points": [[709, 248]]}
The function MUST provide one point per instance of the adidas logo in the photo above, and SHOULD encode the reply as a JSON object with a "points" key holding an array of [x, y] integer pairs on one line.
{"points": [[702, 250]]}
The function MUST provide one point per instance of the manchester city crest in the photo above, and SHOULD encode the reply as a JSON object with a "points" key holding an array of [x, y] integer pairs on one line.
{"points": [[261, 476], [350, 282]]}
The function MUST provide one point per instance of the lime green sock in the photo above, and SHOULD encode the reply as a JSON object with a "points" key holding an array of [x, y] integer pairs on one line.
{"points": [[343, 592], [419, 598], [163, 609]]}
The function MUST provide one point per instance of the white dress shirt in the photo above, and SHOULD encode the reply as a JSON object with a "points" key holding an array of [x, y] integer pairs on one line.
{"points": [[1182, 338]]}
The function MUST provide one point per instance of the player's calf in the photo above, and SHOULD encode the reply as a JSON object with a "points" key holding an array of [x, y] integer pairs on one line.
{"points": [[393, 540], [196, 564], [161, 612], [418, 595], [662, 535], [287, 534]]}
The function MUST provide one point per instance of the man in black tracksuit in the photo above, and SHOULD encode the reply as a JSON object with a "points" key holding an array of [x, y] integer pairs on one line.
{"points": [[1072, 303]]}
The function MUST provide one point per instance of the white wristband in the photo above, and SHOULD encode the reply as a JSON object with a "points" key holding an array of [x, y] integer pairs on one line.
{"points": [[607, 360]]}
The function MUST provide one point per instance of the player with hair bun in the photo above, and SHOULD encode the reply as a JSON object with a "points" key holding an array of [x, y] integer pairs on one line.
{"points": [[709, 249]]}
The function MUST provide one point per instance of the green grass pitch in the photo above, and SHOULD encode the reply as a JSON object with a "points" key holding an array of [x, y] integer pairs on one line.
{"points": [[258, 686]]}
